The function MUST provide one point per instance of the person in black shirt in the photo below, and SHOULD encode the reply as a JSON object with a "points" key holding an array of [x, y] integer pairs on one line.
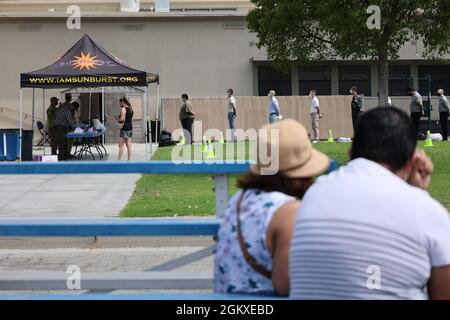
{"points": [[64, 124], [357, 106], [126, 132]]}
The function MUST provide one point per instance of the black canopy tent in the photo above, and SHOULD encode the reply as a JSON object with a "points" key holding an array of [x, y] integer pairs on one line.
{"points": [[88, 65]]}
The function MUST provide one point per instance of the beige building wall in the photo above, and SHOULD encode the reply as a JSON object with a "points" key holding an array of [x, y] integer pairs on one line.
{"points": [[200, 57]]}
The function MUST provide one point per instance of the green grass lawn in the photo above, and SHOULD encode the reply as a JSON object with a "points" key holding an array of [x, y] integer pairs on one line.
{"points": [[192, 195]]}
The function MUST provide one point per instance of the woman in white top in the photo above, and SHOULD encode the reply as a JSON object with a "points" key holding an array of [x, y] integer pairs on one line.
{"points": [[255, 233]]}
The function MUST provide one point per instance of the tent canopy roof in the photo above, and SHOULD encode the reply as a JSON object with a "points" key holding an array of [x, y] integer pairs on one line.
{"points": [[87, 64]]}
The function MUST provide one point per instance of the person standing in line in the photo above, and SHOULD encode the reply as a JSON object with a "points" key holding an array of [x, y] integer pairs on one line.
{"points": [[51, 117], [64, 124], [69, 143], [232, 114], [126, 132], [187, 117], [76, 119], [315, 114], [274, 107], [357, 106], [444, 112], [416, 109]]}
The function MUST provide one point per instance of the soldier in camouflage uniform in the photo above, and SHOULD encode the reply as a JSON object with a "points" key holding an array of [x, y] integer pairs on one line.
{"points": [[67, 103], [51, 111]]}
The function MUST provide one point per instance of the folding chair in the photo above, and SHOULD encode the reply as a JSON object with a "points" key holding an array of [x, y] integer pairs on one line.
{"points": [[44, 136]]}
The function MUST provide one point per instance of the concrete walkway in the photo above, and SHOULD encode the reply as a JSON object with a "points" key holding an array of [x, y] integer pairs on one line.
{"points": [[68, 196]]}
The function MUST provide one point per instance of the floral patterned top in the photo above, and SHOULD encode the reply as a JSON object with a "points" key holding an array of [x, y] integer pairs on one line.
{"points": [[232, 273]]}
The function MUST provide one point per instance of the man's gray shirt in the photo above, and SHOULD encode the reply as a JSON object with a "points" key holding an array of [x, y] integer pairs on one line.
{"points": [[415, 99], [443, 104]]}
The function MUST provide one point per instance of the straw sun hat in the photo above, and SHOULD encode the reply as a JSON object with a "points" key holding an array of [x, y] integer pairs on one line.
{"points": [[297, 157]]}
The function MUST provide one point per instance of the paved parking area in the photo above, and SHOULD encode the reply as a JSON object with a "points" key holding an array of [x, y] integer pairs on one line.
{"points": [[65, 196], [69, 196]]}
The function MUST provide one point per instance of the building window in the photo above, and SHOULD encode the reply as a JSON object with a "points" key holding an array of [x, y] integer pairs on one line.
{"points": [[270, 79], [350, 76], [440, 76], [315, 77], [399, 80]]}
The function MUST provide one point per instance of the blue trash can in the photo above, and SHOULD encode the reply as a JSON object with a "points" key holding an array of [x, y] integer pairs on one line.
{"points": [[10, 139], [2, 145]]}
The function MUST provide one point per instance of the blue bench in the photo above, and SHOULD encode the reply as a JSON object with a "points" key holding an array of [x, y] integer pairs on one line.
{"points": [[92, 167], [108, 227]]}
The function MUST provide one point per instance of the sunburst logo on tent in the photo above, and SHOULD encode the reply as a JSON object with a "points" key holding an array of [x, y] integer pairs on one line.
{"points": [[85, 62]]}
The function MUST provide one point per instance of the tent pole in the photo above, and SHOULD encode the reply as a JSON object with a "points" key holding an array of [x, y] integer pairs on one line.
{"points": [[148, 117], [44, 117], [90, 103], [103, 113], [158, 104], [32, 112], [147, 137], [20, 126]]}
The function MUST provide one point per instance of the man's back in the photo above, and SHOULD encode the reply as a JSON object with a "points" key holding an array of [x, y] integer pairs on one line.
{"points": [[364, 233], [416, 98]]}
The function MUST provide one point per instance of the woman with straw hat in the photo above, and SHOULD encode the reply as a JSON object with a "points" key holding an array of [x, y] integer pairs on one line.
{"points": [[255, 233]]}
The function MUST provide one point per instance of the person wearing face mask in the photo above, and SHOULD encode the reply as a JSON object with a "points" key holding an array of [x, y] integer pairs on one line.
{"points": [[357, 106], [274, 108], [126, 132], [379, 234], [51, 117], [186, 116], [416, 109], [444, 111], [64, 124], [232, 113], [315, 114]]}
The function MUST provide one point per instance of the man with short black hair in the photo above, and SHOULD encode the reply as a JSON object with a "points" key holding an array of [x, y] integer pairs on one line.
{"points": [[416, 109], [379, 234], [444, 112]]}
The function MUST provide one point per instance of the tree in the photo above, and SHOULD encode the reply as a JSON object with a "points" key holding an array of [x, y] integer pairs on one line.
{"points": [[301, 31]]}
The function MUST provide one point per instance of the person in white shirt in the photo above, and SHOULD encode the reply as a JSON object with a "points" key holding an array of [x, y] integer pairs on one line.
{"points": [[232, 113], [315, 114], [274, 108], [371, 230]]}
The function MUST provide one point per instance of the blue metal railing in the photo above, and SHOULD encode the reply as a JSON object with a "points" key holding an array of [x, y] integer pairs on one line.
{"points": [[108, 227]]}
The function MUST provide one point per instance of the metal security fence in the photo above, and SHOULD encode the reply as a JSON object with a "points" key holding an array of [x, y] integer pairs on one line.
{"points": [[253, 113]]}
